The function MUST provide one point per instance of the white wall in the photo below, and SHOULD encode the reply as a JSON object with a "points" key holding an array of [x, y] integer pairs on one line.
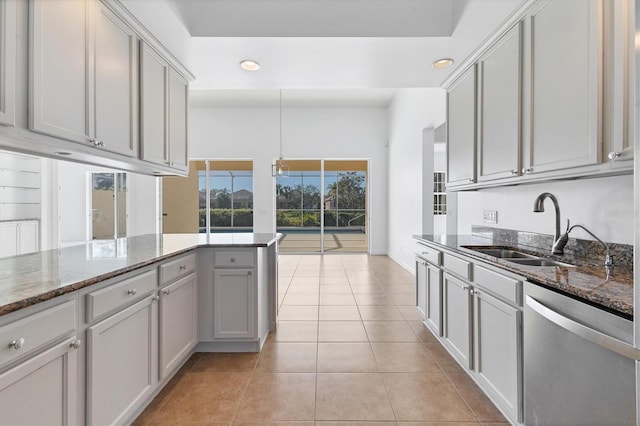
{"points": [[412, 111], [329, 133], [604, 205], [73, 214]]}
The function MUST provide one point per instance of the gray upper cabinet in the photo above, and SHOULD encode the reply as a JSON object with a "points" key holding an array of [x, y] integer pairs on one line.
{"points": [[563, 78], [461, 129], [59, 89], [499, 136], [116, 88], [89, 98], [7, 62], [154, 74], [178, 108]]}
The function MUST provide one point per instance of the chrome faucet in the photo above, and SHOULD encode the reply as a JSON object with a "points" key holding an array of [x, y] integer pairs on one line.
{"points": [[608, 260], [538, 207]]}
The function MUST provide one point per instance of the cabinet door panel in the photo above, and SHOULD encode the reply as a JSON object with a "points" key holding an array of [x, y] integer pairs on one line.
{"points": [[499, 127], [8, 239], [59, 94], [434, 300], [234, 301], [122, 356], [178, 327], [457, 319], [153, 103], [7, 62], [116, 74], [28, 237], [499, 352], [178, 105], [565, 82], [421, 287], [42, 390], [461, 129]]}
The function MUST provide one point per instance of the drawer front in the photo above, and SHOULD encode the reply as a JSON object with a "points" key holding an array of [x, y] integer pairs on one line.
{"points": [[22, 336], [429, 254], [234, 259], [508, 288], [460, 267], [174, 269], [109, 298]]}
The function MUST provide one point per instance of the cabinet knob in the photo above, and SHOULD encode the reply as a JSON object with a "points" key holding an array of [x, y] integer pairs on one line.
{"points": [[249, 273], [471, 180], [97, 142], [466, 287], [514, 173], [132, 292], [526, 171], [232, 260], [155, 298], [17, 344], [165, 292], [614, 155], [183, 267], [75, 344], [172, 164]]}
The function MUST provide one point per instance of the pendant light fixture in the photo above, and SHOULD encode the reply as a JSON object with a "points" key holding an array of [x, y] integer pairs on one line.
{"points": [[280, 168]]}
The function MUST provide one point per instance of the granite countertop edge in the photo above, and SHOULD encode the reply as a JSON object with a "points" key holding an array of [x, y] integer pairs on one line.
{"points": [[193, 242], [586, 283]]}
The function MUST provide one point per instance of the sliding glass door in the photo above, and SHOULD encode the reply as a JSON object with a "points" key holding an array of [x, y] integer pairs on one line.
{"points": [[321, 205]]}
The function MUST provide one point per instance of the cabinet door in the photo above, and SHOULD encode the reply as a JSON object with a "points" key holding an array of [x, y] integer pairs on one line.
{"points": [[59, 84], [457, 319], [178, 106], [178, 323], [421, 287], [498, 337], [433, 317], [28, 237], [122, 363], [499, 122], [565, 85], [461, 130], [8, 62], [116, 87], [8, 239], [43, 390], [154, 72], [234, 304]]}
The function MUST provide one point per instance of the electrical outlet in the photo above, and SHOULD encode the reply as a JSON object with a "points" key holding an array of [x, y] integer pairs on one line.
{"points": [[490, 216]]}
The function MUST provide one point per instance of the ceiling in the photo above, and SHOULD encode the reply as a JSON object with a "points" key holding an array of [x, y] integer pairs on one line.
{"points": [[358, 51]]}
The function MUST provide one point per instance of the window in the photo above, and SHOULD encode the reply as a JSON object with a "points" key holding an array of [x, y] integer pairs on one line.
{"points": [[439, 193], [230, 196], [108, 205]]}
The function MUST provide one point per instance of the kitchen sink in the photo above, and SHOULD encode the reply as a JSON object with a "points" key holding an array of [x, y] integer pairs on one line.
{"points": [[516, 256], [501, 252], [540, 262]]}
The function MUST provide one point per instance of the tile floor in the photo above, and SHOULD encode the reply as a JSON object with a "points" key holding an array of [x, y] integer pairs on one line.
{"points": [[350, 349]]}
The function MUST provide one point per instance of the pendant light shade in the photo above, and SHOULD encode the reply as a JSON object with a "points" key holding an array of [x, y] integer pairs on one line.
{"points": [[280, 169]]}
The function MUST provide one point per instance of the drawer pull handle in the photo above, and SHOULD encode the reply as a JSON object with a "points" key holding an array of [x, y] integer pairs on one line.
{"points": [[183, 267], [132, 292], [75, 344], [17, 344]]}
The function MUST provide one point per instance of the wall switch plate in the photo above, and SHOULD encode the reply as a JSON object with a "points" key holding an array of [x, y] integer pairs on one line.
{"points": [[490, 216]]}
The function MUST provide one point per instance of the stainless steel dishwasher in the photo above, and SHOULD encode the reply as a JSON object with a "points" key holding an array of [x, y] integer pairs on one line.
{"points": [[578, 362]]}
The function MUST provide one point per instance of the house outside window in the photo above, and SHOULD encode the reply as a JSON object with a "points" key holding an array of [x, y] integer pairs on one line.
{"points": [[439, 193]]}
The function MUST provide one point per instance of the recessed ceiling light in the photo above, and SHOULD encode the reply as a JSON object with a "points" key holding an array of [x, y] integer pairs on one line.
{"points": [[442, 63], [249, 65]]}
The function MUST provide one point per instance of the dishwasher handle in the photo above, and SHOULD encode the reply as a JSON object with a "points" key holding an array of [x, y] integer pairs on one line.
{"points": [[581, 330]]}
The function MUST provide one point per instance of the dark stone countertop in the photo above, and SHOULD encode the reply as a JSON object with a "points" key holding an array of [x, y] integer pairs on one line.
{"points": [[586, 281], [33, 278]]}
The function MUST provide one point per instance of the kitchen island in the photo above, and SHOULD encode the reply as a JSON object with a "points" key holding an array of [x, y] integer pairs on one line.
{"points": [[97, 330]]}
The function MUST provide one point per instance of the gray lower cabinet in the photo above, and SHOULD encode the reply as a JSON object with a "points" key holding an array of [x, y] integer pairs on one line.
{"points": [[43, 389], [234, 304], [122, 362], [178, 323], [421, 287], [428, 294], [457, 319], [498, 351]]}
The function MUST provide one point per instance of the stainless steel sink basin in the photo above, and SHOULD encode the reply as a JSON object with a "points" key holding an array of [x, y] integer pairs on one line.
{"points": [[540, 262], [501, 252], [518, 257]]}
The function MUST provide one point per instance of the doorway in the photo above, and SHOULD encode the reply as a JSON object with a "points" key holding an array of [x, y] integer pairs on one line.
{"points": [[108, 205], [321, 206]]}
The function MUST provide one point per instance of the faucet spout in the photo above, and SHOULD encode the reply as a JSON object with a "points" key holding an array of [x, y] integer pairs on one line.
{"points": [[538, 207]]}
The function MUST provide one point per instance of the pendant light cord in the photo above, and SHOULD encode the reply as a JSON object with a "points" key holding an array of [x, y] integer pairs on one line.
{"points": [[280, 127]]}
